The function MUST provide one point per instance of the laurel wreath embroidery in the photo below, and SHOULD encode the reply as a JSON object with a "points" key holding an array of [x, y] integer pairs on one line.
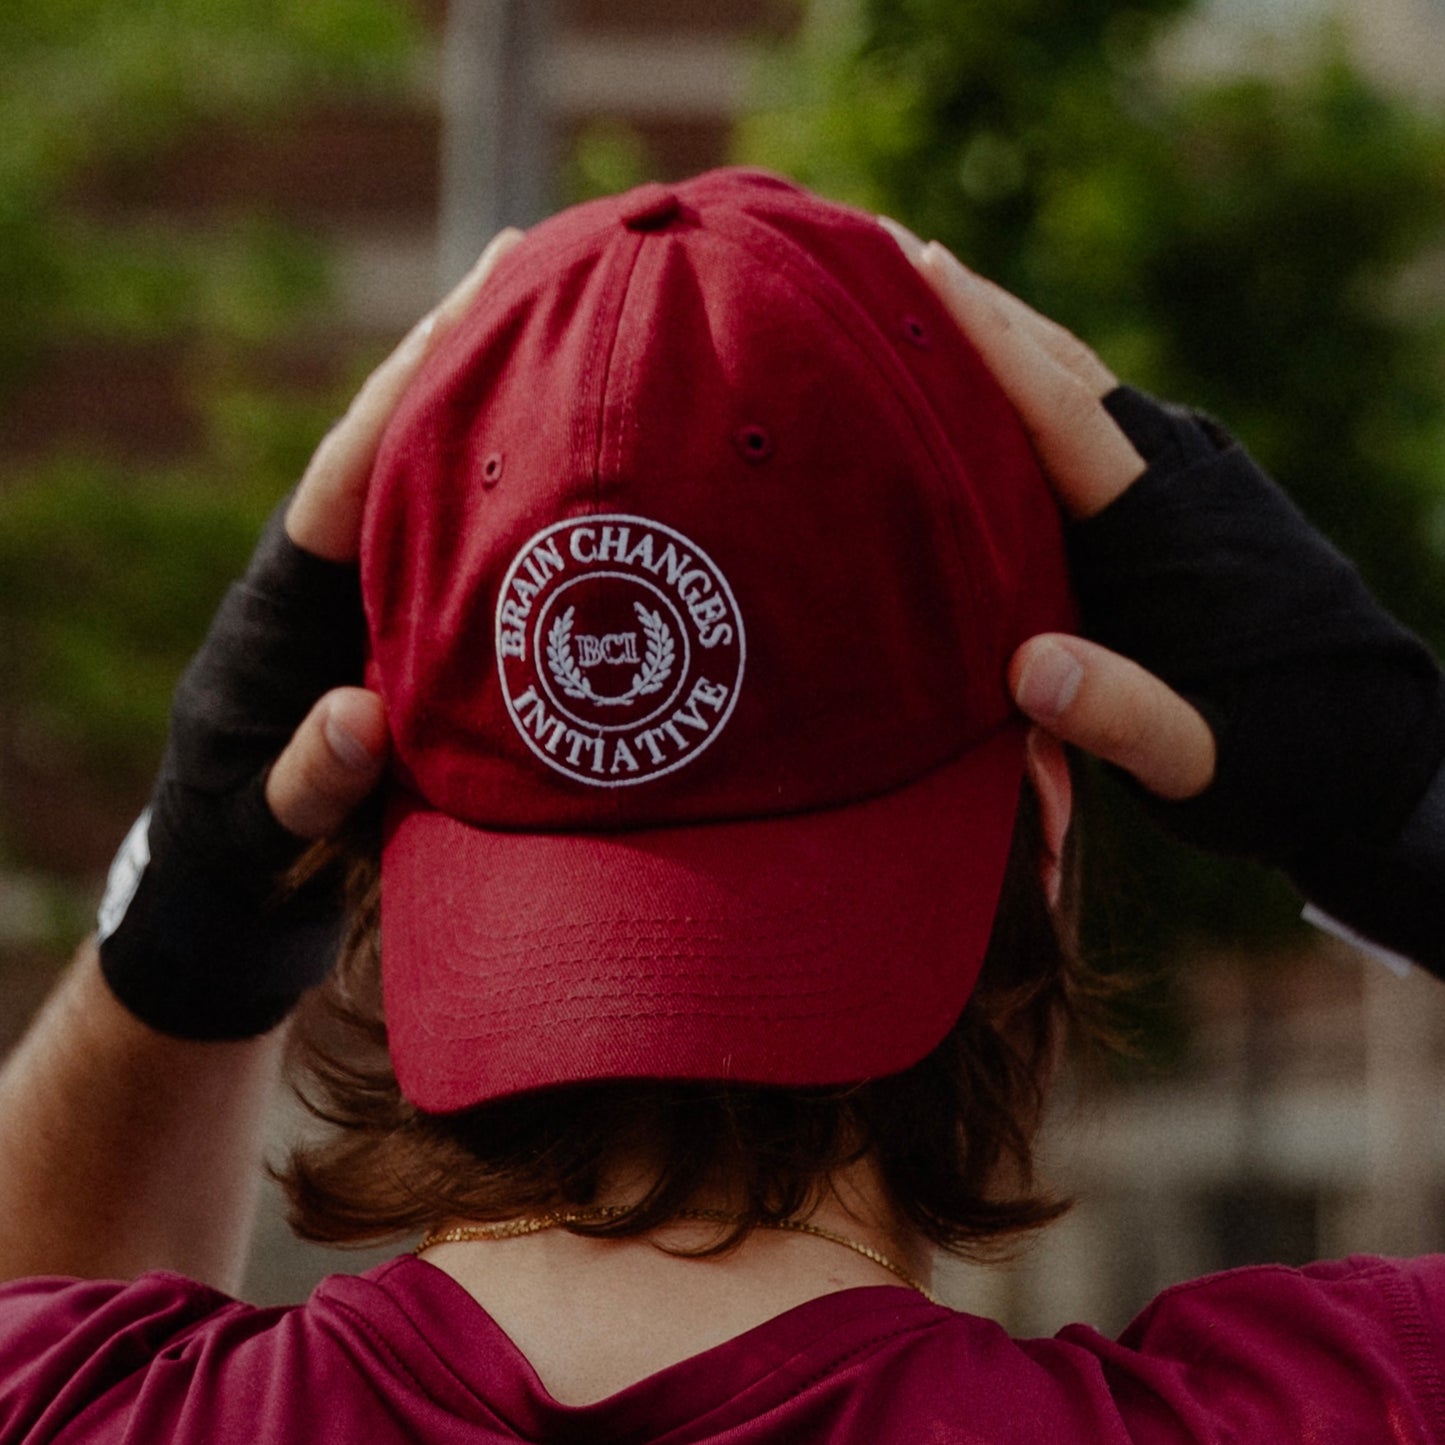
{"points": [[651, 677], [560, 660], [657, 665]]}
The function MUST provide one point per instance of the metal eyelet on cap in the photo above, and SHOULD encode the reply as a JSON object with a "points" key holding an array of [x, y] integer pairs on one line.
{"points": [[650, 208], [753, 442], [916, 333]]}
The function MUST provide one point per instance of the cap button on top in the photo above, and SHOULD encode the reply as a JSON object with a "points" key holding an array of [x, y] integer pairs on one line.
{"points": [[650, 208]]}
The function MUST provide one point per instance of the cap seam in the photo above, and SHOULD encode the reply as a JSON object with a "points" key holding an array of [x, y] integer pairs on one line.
{"points": [[599, 369], [622, 365], [638, 924], [848, 316], [631, 1006], [638, 959], [635, 241], [570, 829]]}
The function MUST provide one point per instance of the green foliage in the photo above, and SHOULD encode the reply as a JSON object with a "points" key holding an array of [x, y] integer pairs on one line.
{"points": [[89, 86], [106, 582], [243, 283], [958, 118], [109, 570], [1261, 267], [606, 157], [1259, 247]]}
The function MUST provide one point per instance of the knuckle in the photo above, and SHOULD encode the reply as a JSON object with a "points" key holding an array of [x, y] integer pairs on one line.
{"points": [[1081, 361], [1075, 404], [1081, 352]]}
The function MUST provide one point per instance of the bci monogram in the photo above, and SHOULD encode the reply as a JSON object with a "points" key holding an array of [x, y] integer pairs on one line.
{"points": [[614, 649]]}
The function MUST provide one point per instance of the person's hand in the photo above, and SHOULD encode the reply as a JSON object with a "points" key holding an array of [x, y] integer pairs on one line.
{"points": [[272, 745], [1249, 681], [1080, 692], [337, 754]]}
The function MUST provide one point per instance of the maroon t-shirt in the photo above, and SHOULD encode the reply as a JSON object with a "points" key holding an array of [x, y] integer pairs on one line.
{"points": [[1344, 1352]]}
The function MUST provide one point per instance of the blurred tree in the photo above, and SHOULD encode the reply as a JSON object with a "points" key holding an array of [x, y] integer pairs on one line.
{"points": [[1259, 247], [606, 156], [109, 569]]}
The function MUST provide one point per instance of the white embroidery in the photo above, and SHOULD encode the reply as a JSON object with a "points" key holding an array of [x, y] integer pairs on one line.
{"points": [[567, 673], [620, 648], [559, 657], [658, 666], [615, 647], [124, 877]]}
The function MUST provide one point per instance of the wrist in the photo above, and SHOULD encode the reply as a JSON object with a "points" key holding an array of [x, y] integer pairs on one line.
{"points": [[1391, 894], [1170, 438], [1328, 714], [198, 950]]}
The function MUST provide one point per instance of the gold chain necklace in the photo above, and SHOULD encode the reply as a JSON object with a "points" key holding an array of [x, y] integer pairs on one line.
{"points": [[560, 1218]]}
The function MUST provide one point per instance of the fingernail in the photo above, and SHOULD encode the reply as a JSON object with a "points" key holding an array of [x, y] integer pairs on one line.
{"points": [[459, 299], [504, 240], [348, 750], [1049, 681], [962, 276], [908, 243], [418, 337]]}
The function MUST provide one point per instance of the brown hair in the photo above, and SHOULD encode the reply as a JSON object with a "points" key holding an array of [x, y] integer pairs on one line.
{"points": [[951, 1137]]}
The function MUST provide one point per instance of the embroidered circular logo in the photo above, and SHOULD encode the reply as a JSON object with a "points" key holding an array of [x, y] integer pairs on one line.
{"points": [[620, 648]]}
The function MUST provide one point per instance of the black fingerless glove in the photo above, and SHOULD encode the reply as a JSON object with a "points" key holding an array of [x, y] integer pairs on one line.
{"points": [[197, 937], [1329, 716]]}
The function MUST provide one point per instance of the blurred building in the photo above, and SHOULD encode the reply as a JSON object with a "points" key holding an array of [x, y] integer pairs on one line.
{"points": [[1400, 41], [371, 178], [399, 192], [1303, 1124]]}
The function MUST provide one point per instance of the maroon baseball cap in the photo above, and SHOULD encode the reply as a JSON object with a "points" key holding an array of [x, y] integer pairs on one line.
{"points": [[693, 562]]}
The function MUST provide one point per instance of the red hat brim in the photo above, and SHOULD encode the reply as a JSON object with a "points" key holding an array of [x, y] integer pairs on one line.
{"points": [[811, 949]]}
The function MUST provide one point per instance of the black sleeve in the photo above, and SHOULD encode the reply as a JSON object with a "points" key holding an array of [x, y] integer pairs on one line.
{"points": [[1328, 714]]}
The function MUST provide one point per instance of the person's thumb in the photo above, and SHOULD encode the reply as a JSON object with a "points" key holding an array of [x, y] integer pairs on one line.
{"points": [[332, 762], [1109, 706]]}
